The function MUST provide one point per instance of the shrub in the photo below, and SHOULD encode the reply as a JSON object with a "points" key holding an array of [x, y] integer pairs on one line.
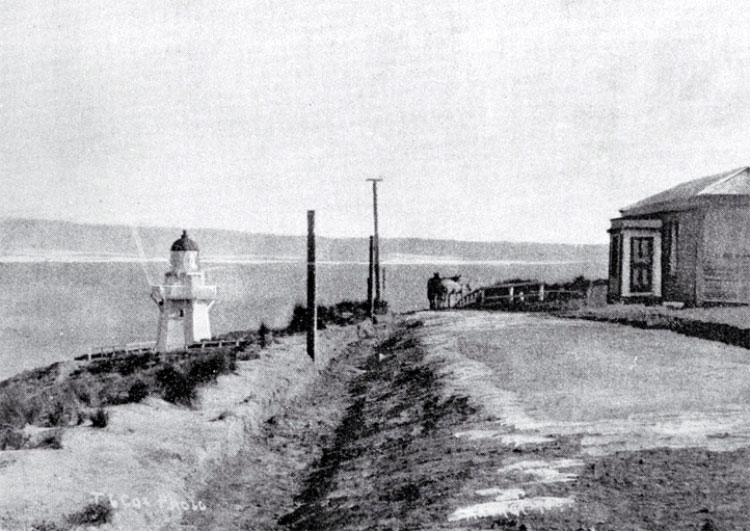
{"points": [[176, 387], [100, 418], [101, 366], [297, 322], [134, 363], [138, 391], [249, 352], [96, 513], [82, 389], [56, 415], [342, 313], [12, 439], [206, 370], [263, 333], [230, 361], [51, 439], [14, 409]]}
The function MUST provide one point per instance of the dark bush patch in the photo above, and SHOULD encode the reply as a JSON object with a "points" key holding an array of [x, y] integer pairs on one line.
{"points": [[56, 416], [12, 439], [135, 363], [340, 314], [138, 391], [263, 334], [51, 440], [297, 322], [249, 352], [82, 392], [100, 418], [176, 387], [230, 361], [100, 366], [13, 408], [96, 513], [206, 370]]}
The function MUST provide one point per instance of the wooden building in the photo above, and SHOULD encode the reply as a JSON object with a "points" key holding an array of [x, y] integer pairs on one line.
{"points": [[689, 244]]}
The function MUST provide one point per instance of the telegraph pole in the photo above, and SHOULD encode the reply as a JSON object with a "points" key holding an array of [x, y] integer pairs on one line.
{"points": [[312, 306], [376, 240], [370, 275]]}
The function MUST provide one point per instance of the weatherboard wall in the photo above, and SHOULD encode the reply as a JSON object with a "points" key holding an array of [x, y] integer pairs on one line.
{"points": [[679, 277], [726, 256]]}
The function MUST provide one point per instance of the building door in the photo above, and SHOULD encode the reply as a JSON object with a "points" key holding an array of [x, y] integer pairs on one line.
{"points": [[641, 264]]}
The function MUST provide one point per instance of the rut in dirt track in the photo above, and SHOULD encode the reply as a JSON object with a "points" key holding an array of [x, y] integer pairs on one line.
{"points": [[386, 466]]}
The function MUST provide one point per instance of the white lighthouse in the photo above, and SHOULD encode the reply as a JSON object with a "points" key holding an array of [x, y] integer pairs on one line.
{"points": [[183, 299]]}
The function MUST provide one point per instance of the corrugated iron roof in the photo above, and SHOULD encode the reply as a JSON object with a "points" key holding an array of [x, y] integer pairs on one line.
{"points": [[734, 182]]}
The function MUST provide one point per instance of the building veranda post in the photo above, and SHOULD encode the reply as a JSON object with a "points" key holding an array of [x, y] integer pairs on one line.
{"points": [[689, 244]]}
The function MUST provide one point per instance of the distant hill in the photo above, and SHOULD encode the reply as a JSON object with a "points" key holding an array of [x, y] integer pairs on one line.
{"points": [[41, 238]]}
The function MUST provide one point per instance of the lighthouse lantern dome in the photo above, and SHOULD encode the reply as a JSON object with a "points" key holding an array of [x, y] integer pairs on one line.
{"points": [[184, 254]]}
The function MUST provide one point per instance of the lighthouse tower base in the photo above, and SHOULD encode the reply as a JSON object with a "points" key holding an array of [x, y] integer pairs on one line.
{"points": [[181, 323]]}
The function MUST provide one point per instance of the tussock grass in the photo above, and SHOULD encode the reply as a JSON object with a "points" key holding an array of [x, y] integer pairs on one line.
{"points": [[52, 398]]}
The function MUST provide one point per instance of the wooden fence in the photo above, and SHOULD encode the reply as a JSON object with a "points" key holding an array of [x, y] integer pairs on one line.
{"points": [[515, 295], [150, 346]]}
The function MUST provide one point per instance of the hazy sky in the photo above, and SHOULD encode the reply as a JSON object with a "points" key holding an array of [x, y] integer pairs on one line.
{"points": [[487, 120]]}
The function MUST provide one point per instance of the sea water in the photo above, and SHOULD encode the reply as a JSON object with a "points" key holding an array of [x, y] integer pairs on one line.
{"points": [[51, 311]]}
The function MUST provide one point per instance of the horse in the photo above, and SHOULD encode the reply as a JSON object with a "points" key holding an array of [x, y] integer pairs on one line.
{"points": [[433, 291], [451, 290]]}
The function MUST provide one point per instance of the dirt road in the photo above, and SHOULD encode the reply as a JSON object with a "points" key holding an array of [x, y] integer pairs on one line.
{"points": [[620, 387], [616, 428]]}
